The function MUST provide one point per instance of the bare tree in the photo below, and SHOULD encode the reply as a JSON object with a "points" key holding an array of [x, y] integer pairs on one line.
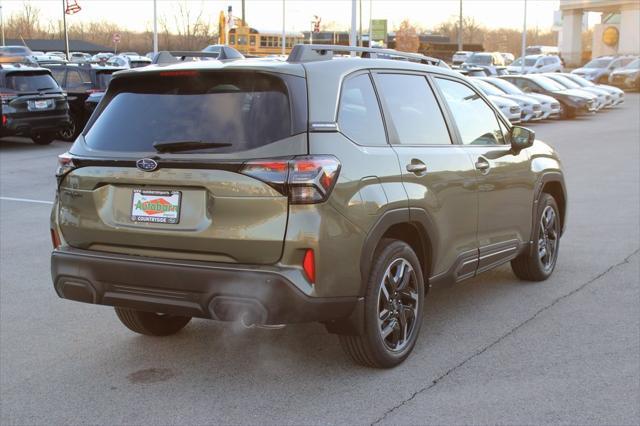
{"points": [[407, 39]]}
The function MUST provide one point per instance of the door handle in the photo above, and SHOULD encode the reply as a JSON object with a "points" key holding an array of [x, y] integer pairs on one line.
{"points": [[417, 168], [483, 164]]}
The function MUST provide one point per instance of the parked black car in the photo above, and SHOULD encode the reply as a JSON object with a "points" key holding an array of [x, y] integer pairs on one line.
{"points": [[572, 101], [33, 104], [79, 81]]}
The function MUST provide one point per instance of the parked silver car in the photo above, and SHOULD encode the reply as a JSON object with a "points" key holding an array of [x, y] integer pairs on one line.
{"points": [[605, 100], [618, 94], [550, 106], [530, 109]]}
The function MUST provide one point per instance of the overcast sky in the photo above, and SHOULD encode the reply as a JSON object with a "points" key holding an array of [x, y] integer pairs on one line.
{"points": [[267, 14]]}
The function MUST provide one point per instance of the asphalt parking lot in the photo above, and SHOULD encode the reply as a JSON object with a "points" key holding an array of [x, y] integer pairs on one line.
{"points": [[492, 350]]}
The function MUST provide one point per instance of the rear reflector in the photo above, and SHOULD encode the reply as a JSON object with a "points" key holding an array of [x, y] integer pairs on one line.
{"points": [[309, 266], [55, 238]]}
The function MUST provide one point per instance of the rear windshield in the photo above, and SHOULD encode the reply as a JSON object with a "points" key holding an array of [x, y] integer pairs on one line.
{"points": [[244, 109], [30, 82]]}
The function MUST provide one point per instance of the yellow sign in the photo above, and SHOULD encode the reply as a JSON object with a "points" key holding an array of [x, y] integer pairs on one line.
{"points": [[610, 36]]}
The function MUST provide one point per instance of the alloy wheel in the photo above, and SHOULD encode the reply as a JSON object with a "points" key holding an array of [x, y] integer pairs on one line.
{"points": [[398, 305], [548, 238]]}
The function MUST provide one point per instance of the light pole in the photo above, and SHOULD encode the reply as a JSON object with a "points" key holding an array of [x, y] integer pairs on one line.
{"points": [[524, 36], [2, 24], [352, 34], [284, 35], [460, 28], [64, 24], [370, 15], [155, 27]]}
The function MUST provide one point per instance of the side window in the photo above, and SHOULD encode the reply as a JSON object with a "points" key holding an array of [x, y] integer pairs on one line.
{"points": [[476, 121], [359, 114], [58, 75], [416, 115], [74, 79]]}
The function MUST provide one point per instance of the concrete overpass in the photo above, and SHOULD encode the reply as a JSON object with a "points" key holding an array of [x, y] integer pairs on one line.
{"points": [[618, 37]]}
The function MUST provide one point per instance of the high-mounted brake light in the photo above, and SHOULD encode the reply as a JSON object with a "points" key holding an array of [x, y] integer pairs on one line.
{"points": [[306, 180], [185, 73], [65, 164]]}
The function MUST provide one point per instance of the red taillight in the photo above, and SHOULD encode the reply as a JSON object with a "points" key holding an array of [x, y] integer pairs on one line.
{"points": [[55, 239], [7, 97], [65, 164], [306, 180], [309, 265], [4, 120]]}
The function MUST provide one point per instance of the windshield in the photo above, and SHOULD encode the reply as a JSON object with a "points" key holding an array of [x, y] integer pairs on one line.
{"points": [[244, 109], [547, 84], [598, 63], [15, 50], [528, 62], [487, 88], [634, 65], [31, 82], [479, 59], [506, 87], [582, 82], [564, 81], [103, 78], [139, 64]]}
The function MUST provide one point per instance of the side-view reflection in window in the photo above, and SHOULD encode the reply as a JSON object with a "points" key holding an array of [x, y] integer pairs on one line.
{"points": [[477, 122]]}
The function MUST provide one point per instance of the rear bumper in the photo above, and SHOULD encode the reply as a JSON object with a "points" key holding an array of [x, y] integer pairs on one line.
{"points": [[36, 124], [198, 289]]}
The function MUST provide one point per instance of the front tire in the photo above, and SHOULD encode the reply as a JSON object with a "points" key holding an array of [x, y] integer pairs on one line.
{"points": [[393, 308], [538, 264], [151, 323]]}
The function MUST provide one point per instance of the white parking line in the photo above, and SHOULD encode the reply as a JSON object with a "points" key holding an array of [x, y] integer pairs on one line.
{"points": [[26, 200]]}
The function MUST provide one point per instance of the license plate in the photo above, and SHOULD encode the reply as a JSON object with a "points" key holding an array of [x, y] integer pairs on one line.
{"points": [[156, 206], [40, 104]]}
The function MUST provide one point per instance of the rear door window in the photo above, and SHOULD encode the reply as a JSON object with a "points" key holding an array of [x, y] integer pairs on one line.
{"points": [[359, 115], [77, 79], [416, 116], [243, 109]]}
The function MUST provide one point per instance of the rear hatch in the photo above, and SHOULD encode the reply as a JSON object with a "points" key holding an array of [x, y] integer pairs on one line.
{"points": [[159, 167], [32, 93]]}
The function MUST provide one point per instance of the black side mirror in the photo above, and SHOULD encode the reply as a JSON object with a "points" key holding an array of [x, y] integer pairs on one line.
{"points": [[521, 138]]}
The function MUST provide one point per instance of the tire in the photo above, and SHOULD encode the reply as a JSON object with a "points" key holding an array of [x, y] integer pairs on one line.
{"points": [[151, 323], [69, 134], [567, 112], [43, 138], [538, 263], [370, 348]]}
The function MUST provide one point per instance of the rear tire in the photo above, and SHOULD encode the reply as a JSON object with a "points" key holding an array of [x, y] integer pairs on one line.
{"points": [[151, 323], [43, 138], [69, 134], [538, 263], [393, 308]]}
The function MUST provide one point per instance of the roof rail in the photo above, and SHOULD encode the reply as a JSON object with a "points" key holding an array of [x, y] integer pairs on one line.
{"points": [[324, 52]]}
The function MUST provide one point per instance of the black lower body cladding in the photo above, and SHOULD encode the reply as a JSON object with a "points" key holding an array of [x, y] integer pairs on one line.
{"points": [[197, 289]]}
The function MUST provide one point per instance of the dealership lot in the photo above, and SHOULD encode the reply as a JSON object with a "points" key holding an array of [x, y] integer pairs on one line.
{"points": [[493, 349]]}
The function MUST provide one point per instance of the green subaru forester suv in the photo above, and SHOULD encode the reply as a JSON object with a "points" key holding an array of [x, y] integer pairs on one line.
{"points": [[325, 188]]}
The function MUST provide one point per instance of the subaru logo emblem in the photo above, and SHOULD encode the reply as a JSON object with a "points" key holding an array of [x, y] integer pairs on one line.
{"points": [[147, 164]]}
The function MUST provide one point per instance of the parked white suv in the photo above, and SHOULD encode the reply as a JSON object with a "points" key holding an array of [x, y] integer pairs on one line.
{"points": [[536, 64], [460, 57]]}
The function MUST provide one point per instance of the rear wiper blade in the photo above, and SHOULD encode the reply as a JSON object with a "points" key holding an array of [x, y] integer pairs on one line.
{"points": [[175, 146]]}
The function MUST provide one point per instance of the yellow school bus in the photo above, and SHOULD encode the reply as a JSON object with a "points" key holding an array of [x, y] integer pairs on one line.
{"points": [[250, 41]]}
